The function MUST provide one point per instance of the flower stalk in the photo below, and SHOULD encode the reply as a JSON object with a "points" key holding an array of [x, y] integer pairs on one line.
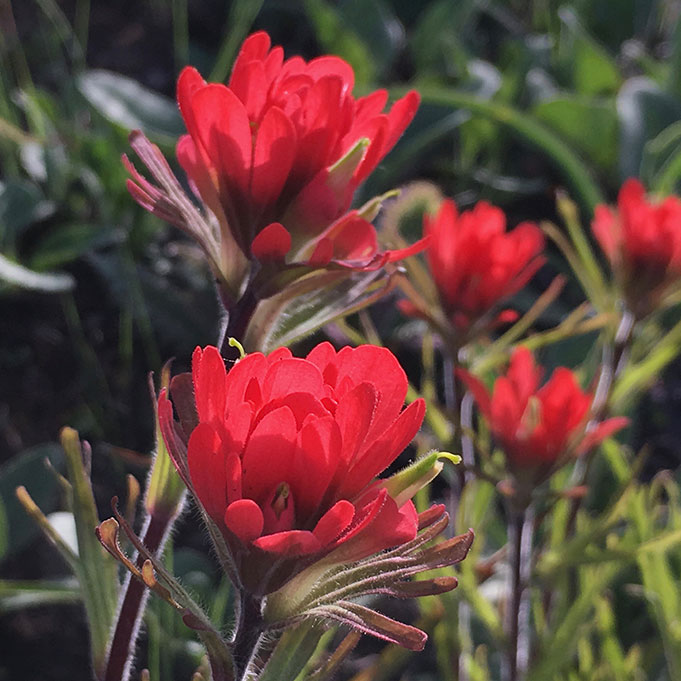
{"points": [[520, 533], [163, 503]]}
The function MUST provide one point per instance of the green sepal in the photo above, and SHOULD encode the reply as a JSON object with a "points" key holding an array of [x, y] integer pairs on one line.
{"points": [[404, 484], [165, 491], [370, 210], [341, 172]]}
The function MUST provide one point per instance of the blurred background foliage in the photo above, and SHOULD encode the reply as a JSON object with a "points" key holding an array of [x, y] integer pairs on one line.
{"points": [[520, 98]]}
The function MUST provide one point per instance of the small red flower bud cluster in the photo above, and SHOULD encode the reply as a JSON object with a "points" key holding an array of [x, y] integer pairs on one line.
{"points": [[538, 426], [475, 263], [642, 241]]}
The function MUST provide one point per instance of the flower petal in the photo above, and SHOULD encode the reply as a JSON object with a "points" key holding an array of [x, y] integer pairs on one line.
{"points": [[207, 470], [209, 375], [267, 457], [315, 461], [244, 519], [273, 154], [334, 522], [379, 455], [272, 243], [225, 132], [289, 544]]}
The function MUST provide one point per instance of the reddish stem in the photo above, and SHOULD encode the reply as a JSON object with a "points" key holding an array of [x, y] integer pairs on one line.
{"points": [[132, 602]]}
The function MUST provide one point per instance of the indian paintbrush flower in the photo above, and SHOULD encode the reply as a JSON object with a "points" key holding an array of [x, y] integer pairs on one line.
{"points": [[538, 427], [476, 263], [642, 240], [275, 158], [283, 453], [285, 141]]}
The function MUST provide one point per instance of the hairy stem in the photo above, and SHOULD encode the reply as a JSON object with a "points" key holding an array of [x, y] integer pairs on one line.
{"points": [[614, 359], [133, 598], [239, 316], [520, 530], [247, 632]]}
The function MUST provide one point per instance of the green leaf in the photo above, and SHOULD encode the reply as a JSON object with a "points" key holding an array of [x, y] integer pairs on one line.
{"points": [[576, 173], [661, 163], [166, 491], [404, 484], [242, 14], [589, 125], [18, 595], [129, 104], [336, 37], [644, 111], [664, 599], [17, 275], [97, 570], [555, 653], [594, 71], [640, 376], [28, 468], [377, 26], [309, 303], [68, 242], [437, 41], [21, 205]]}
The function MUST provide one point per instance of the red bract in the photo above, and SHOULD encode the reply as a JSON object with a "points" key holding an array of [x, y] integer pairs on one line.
{"points": [[475, 263], [536, 426], [642, 240], [282, 453], [285, 141]]}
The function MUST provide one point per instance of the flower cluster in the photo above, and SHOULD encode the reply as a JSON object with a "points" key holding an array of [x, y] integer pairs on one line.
{"points": [[642, 241], [537, 427], [285, 141], [476, 264], [282, 455], [275, 157], [283, 452]]}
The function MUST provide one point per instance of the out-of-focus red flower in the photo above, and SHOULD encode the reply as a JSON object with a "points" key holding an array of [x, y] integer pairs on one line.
{"points": [[475, 263], [642, 241], [536, 426], [283, 454], [285, 141]]}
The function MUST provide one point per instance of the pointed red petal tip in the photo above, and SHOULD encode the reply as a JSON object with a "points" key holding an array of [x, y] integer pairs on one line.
{"points": [[272, 243], [603, 431], [402, 253]]}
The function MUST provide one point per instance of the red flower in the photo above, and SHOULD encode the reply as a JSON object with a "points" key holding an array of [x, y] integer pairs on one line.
{"points": [[642, 240], [282, 453], [537, 426], [285, 141], [475, 263]]}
